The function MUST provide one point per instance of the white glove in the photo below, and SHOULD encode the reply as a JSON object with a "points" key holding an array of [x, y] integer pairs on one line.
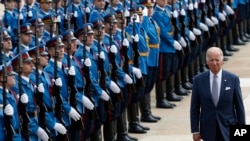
{"points": [[75, 14], [58, 18], [196, 31], [42, 134], [104, 96], [127, 79], [113, 49], [40, 88], [136, 38], [30, 14], [203, 1], [196, 5], [114, 88], [229, 10], [60, 128], [215, 20], [190, 6], [183, 12], [125, 42], [8, 110], [87, 62], [58, 82], [183, 42], [222, 16], [137, 20], [175, 14], [137, 72], [73, 114], [191, 36], [177, 45], [126, 13], [145, 12], [87, 10], [209, 22], [203, 27], [24, 98], [72, 71], [87, 103], [102, 56]]}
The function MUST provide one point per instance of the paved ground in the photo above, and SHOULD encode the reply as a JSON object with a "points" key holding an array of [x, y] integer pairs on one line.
{"points": [[175, 125]]}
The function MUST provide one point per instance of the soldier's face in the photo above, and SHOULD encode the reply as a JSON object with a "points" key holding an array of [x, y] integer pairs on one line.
{"points": [[150, 10], [115, 2], [29, 2], [43, 60], [76, 1], [99, 4], [162, 3], [90, 39], [7, 44], [27, 68], [10, 81], [10, 5], [26, 38], [46, 6]]}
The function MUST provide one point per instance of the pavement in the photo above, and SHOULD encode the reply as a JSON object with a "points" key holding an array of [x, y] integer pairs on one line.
{"points": [[175, 123]]}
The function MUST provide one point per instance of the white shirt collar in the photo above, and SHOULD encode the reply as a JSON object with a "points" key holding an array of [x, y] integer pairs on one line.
{"points": [[26, 78], [59, 64]]}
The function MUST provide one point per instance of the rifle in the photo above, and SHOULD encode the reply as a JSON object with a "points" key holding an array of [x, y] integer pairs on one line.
{"points": [[7, 119], [57, 89], [177, 30], [196, 24], [136, 55], [130, 87], [108, 104], [21, 106], [210, 12], [86, 70], [187, 49], [72, 90], [223, 24], [39, 96], [203, 19], [112, 56]]}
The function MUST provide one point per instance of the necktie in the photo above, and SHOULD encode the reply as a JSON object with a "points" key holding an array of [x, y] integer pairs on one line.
{"points": [[215, 90]]}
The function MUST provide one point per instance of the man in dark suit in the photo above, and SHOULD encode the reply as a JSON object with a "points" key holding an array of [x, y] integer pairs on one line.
{"points": [[216, 101]]}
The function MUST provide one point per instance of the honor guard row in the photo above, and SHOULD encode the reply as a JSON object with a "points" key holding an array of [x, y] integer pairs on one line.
{"points": [[84, 70]]}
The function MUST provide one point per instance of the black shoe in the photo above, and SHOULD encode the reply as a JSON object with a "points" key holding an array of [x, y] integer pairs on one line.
{"points": [[187, 86], [148, 118], [164, 104], [239, 42], [143, 127], [181, 91], [232, 48], [173, 97], [227, 53], [225, 58], [135, 128], [244, 39], [124, 137], [132, 138], [156, 117]]}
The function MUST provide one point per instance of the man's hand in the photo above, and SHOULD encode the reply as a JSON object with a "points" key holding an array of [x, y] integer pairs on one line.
{"points": [[197, 137]]}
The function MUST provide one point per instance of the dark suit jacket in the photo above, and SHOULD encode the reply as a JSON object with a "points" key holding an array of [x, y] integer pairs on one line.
{"points": [[229, 110]]}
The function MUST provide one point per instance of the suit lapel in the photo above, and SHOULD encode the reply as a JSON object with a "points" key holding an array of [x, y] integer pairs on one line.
{"points": [[223, 84], [207, 90]]}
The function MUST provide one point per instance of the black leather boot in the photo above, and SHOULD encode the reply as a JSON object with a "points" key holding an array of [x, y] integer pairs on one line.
{"points": [[179, 90], [109, 130], [184, 78], [235, 35], [229, 45], [145, 108], [171, 95], [191, 73], [224, 48], [202, 58], [161, 101], [241, 32]]}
